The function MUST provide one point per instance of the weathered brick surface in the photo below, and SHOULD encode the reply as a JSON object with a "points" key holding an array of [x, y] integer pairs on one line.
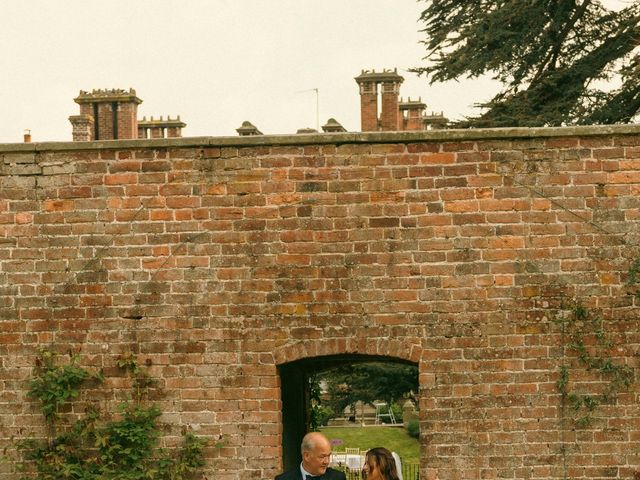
{"points": [[215, 261]]}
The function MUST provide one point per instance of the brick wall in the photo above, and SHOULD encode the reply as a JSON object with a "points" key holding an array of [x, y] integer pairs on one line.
{"points": [[216, 260]]}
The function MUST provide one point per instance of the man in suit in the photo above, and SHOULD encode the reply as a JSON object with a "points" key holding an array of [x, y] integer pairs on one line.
{"points": [[316, 454]]}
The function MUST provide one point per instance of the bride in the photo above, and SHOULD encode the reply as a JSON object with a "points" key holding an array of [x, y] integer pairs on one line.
{"points": [[380, 464]]}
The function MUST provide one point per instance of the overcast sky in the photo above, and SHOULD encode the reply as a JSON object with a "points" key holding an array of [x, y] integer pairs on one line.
{"points": [[215, 63]]}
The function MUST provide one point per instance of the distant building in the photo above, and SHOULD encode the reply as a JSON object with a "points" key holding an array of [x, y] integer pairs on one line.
{"points": [[248, 129], [395, 114], [159, 128], [333, 126], [113, 115]]}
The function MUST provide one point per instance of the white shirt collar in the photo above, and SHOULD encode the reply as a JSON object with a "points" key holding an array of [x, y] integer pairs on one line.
{"points": [[304, 472]]}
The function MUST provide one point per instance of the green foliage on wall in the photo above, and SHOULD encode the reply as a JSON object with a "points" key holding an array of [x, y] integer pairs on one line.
{"points": [[634, 276], [577, 327], [123, 446], [583, 333], [55, 385]]}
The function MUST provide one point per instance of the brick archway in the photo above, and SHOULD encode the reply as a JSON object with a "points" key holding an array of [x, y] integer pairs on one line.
{"points": [[295, 364], [408, 350]]}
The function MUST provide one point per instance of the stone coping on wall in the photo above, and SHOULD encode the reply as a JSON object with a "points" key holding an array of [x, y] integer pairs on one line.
{"points": [[333, 138]]}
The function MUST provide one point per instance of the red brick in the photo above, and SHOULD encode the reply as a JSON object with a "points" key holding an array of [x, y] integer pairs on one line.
{"points": [[458, 263], [182, 202], [120, 178], [461, 206], [125, 166], [437, 158], [561, 142], [75, 192], [596, 141], [156, 166], [58, 205], [423, 147], [388, 148], [623, 177], [458, 146], [507, 242]]}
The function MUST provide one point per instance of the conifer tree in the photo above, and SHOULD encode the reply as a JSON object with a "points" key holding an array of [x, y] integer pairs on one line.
{"points": [[552, 57]]}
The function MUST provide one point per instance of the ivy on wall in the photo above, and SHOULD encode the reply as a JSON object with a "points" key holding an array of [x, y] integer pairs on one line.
{"points": [[634, 277], [96, 446], [583, 334], [578, 328]]}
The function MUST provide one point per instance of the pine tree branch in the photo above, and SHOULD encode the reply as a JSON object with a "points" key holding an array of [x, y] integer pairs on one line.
{"points": [[550, 62]]}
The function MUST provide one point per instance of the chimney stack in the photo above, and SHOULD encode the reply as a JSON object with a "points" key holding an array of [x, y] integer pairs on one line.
{"points": [[411, 114], [82, 127], [27, 136], [110, 115], [368, 103], [390, 82], [169, 128]]}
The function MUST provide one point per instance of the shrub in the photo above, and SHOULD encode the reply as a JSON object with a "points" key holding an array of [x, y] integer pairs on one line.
{"points": [[413, 429], [324, 414], [95, 446]]}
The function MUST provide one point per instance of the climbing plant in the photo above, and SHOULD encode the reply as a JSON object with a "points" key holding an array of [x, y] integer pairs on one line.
{"points": [[97, 446], [583, 334], [55, 385], [634, 276]]}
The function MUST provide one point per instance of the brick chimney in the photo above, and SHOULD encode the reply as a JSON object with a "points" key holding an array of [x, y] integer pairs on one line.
{"points": [[390, 82], [82, 127], [434, 121], [113, 114], [411, 114], [160, 128], [368, 103]]}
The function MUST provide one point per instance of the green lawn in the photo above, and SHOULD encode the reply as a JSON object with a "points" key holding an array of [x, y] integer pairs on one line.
{"points": [[395, 439]]}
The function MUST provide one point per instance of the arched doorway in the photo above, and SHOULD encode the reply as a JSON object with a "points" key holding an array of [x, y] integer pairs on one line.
{"points": [[295, 394]]}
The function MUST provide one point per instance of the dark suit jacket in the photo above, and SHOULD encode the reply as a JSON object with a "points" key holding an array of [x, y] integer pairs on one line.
{"points": [[295, 474]]}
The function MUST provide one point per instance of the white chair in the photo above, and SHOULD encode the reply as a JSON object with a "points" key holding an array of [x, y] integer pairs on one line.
{"points": [[354, 463]]}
